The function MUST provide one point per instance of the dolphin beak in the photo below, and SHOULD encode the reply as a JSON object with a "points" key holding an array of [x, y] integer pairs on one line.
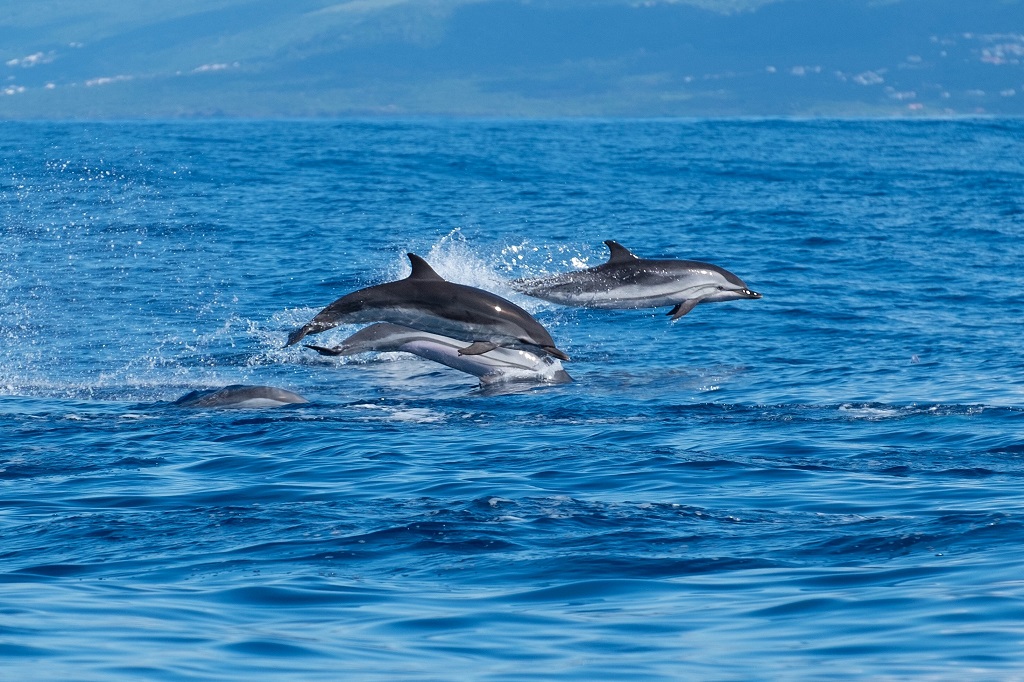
{"points": [[750, 294]]}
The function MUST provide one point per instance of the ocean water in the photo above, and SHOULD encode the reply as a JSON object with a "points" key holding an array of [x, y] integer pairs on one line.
{"points": [[827, 483]]}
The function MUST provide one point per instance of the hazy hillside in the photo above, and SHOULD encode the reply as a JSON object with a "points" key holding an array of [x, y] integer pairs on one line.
{"points": [[64, 59]]}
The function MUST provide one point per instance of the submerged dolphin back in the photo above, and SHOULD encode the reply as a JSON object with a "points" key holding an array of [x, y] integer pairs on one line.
{"points": [[240, 395]]}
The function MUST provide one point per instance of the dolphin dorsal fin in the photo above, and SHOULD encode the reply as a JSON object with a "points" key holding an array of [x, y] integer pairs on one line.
{"points": [[620, 254], [422, 270]]}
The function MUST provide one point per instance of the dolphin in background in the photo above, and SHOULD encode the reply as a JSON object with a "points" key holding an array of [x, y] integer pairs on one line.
{"points": [[495, 366], [426, 301], [239, 395], [627, 281]]}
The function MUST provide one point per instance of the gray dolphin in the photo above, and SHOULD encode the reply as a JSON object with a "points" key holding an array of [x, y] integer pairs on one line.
{"points": [[426, 301], [627, 281], [497, 365], [239, 395]]}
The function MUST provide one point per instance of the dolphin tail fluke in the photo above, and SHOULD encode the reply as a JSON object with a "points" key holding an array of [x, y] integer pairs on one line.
{"points": [[298, 335], [682, 308], [323, 350], [314, 326], [478, 348]]}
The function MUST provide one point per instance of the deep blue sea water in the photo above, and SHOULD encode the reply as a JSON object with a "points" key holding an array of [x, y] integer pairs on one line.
{"points": [[827, 483]]}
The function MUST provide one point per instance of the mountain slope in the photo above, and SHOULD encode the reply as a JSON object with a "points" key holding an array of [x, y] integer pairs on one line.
{"points": [[503, 57]]}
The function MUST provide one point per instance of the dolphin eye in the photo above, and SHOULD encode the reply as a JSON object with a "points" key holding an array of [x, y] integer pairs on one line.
{"points": [[721, 288]]}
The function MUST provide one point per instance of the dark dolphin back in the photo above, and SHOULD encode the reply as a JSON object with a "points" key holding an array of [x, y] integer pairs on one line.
{"points": [[409, 289], [427, 291]]}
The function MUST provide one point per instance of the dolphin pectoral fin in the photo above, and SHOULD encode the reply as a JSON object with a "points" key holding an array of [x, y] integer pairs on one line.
{"points": [[478, 348], [322, 350], [554, 352], [682, 308]]}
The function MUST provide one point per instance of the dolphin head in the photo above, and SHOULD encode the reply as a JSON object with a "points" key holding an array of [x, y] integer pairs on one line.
{"points": [[722, 285], [727, 293]]}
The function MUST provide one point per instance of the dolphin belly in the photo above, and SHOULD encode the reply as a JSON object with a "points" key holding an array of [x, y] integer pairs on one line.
{"points": [[448, 355], [612, 294], [428, 321], [500, 364], [506, 336], [496, 365]]}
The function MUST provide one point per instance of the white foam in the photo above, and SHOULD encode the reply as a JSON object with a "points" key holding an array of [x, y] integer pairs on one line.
{"points": [[870, 413], [457, 261], [415, 415]]}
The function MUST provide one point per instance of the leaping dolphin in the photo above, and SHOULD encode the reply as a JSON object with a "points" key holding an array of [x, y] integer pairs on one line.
{"points": [[239, 395], [426, 301], [497, 365], [627, 281]]}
